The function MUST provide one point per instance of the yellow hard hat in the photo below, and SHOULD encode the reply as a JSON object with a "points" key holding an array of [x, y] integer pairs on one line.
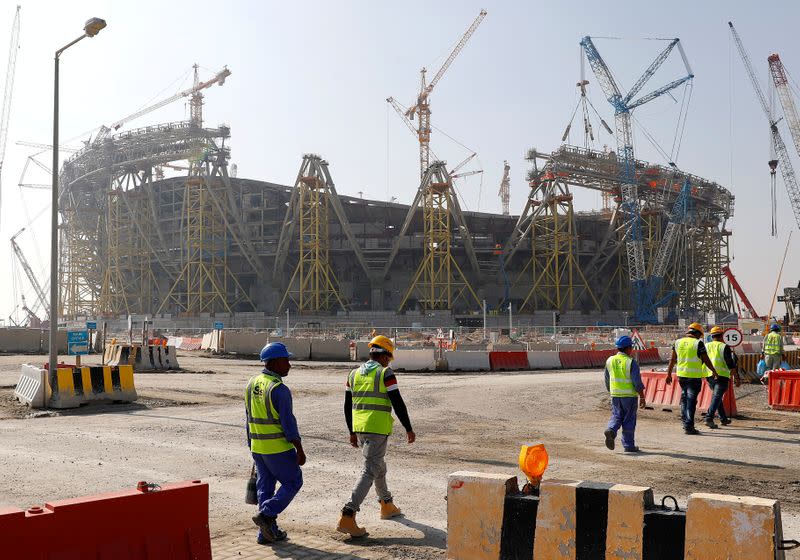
{"points": [[695, 327], [716, 330], [382, 344]]}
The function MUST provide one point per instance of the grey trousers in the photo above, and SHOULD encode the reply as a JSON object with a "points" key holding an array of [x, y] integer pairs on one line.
{"points": [[773, 361], [373, 447]]}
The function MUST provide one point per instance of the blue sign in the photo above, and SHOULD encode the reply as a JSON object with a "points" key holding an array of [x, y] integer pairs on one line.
{"points": [[77, 343], [218, 325], [91, 325]]}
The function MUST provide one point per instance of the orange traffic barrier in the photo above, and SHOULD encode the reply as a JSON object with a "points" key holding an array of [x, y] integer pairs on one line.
{"points": [[659, 394], [148, 522], [784, 389]]}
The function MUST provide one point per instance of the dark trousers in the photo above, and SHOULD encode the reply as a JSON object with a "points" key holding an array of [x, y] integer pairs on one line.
{"points": [[718, 387], [690, 390]]}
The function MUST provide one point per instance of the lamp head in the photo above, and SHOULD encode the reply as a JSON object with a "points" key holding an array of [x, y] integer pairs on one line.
{"points": [[93, 26]]}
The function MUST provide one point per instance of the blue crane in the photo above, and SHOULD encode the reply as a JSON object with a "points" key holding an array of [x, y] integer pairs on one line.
{"points": [[644, 309]]}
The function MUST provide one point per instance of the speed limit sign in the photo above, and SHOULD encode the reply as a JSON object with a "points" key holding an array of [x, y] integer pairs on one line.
{"points": [[732, 337]]}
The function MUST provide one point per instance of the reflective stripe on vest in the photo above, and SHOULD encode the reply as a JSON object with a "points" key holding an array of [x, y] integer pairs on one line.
{"points": [[372, 409], [263, 421], [620, 383], [689, 364], [772, 344], [716, 353]]}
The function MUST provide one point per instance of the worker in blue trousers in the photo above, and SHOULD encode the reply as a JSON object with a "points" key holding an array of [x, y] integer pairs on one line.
{"points": [[274, 441], [624, 383]]}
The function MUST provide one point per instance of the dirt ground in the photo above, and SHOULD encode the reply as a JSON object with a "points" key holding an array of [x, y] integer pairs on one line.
{"points": [[189, 425]]}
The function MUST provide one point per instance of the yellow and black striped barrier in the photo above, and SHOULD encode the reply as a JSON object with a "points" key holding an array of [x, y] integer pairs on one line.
{"points": [[76, 386]]}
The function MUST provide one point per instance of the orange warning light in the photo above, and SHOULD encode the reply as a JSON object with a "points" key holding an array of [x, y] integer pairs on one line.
{"points": [[533, 461]]}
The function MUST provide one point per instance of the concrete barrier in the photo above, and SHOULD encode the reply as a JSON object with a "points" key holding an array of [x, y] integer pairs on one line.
{"points": [[544, 360], [719, 526], [466, 360], [77, 386], [245, 343], [475, 508], [362, 351], [61, 341], [300, 347], [332, 350], [664, 354], [32, 388], [414, 360], [20, 341]]}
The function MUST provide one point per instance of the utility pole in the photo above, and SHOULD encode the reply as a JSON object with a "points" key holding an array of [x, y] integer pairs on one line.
{"points": [[509, 319], [484, 319]]}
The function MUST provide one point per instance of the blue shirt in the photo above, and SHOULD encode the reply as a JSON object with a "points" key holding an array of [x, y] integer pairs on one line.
{"points": [[282, 401], [636, 377]]}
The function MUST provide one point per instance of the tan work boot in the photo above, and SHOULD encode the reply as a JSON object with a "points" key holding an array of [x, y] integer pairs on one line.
{"points": [[389, 510], [347, 524]]}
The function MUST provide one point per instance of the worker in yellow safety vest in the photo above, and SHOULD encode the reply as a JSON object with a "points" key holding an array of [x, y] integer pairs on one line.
{"points": [[773, 347], [725, 363], [624, 383], [689, 354], [274, 441], [371, 395]]}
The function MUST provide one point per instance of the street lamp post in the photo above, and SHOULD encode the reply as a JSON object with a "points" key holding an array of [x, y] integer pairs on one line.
{"points": [[90, 29]]}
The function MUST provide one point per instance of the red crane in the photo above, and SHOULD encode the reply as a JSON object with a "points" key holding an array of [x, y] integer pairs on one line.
{"points": [[740, 292]]}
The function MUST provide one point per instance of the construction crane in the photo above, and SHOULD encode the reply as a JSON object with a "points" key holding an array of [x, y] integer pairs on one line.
{"points": [[726, 270], [505, 189], [644, 310], [40, 293], [196, 103], [5, 111], [792, 120], [422, 109], [781, 153]]}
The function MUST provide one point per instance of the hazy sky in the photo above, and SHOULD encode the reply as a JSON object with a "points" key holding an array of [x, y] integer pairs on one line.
{"points": [[314, 76]]}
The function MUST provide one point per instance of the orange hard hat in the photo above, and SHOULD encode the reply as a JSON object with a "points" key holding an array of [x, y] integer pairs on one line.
{"points": [[695, 327], [716, 330]]}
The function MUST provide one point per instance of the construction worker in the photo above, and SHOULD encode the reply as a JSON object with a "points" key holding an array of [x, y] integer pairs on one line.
{"points": [[773, 347], [274, 441], [624, 383], [689, 354], [724, 361], [370, 396]]}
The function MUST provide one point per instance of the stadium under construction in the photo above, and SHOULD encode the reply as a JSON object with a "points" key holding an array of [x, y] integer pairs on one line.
{"points": [[136, 242]]}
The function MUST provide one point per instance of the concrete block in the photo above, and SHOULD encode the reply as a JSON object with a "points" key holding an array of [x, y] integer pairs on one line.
{"points": [[333, 350], [625, 528], [362, 351], [246, 343], [556, 520], [61, 341], [32, 388], [544, 360], [20, 340], [466, 360], [414, 360], [664, 354], [475, 504], [721, 526], [300, 347]]}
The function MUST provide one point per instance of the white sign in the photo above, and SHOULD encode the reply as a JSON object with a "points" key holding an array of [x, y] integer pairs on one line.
{"points": [[732, 337], [638, 341]]}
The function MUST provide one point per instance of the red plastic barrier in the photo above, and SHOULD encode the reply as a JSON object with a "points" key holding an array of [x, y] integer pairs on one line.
{"points": [[128, 525], [648, 356], [784, 389], [658, 394], [576, 359], [599, 357], [499, 361]]}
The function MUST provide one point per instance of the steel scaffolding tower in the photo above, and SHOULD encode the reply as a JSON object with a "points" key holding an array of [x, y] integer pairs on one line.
{"points": [[557, 281], [706, 288], [313, 285], [439, 282], [114, 292]]}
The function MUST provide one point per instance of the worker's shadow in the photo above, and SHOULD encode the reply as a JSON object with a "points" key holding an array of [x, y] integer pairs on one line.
{"points": [[432, 537], [288, 550]]}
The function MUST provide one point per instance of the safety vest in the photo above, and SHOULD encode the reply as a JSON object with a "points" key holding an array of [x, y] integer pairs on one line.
{"points": [[372, 409], [620, 383], [266, 433], [772, 344], [689, 364], [716, 353]]}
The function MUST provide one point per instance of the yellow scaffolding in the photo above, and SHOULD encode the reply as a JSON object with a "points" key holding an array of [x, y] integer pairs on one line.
{"points": [[557, 281], [439, 282], [79, 264], [313, 286]]}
